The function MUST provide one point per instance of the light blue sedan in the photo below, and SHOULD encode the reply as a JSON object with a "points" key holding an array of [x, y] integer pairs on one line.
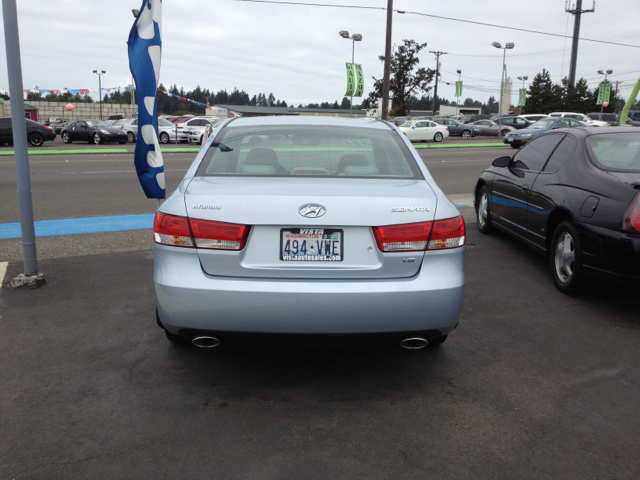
{"points": [[308, 230]]}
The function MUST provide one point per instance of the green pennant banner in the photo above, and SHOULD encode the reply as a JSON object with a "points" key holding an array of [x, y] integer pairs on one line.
{"points": [[351, 80], [522, 99], [360, 79], [504, 82], [458, 88], [607, 92], [600, 94]]}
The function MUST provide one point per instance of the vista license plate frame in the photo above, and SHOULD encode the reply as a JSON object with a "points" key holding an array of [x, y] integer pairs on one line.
{"points": [[311, 244]]}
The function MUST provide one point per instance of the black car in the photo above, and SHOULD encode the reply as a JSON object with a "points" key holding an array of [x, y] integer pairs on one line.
{"points": [[93, 131], [37, 133], [456, 128], [574, 196]]}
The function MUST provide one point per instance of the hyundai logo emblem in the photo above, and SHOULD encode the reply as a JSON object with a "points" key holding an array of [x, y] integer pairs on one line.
{"points": [[311, 210]]}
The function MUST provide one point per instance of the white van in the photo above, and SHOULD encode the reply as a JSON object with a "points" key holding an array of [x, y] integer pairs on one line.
{"points": [[581, 118]]}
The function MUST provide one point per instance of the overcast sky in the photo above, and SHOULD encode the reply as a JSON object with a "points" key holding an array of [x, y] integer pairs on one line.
{"points": [[295, 51]]}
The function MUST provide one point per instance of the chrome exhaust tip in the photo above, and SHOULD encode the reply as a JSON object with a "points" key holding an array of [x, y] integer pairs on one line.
{"points": [[414, 343], [205, 342]]}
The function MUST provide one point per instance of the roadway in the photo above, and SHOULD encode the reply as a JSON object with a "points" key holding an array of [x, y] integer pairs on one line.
{"points": [[101, 184]]}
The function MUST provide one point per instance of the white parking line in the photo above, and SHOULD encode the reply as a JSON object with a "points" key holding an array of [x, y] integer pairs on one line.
{"points": [[3, 271]]}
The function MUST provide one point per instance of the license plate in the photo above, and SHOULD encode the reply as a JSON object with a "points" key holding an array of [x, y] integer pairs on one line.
{"points": [[509, 139], [311, 244]]}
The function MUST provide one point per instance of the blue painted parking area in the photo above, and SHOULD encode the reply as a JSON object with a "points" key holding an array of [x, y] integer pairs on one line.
{"points": [[75, 226]]}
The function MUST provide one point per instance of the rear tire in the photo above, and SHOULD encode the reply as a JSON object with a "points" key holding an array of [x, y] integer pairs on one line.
{"points": [[164, 137], [466, 134], [504, 133], [97, 139], [66, 138], [131, 137], [565, 259], [36, 139], [483, 211], [437, 137]]}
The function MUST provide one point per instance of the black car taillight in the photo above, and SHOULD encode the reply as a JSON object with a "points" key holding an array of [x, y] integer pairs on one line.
{"points": [[631, 222]]}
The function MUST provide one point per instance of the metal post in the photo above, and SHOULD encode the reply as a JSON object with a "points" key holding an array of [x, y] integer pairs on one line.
{"points": [[435, 90], [577, 12], [353, 50], [19, 125], [504, 62], [387, 63], [100, 94]]}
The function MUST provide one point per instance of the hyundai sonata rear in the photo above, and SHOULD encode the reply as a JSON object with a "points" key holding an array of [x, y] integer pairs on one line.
{"points": [[308, 230]]}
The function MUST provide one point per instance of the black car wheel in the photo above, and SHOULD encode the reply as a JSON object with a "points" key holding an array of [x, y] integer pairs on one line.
{"points": [[36, 139], [66, 138], [566, 259], [483, 212], [437, 137], [466, 134], [131, 137], [164, 137], [122, 142], [97, 139], [504, 133]]}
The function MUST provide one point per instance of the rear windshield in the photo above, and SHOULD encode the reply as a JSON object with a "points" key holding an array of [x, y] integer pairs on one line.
{"points": [[545, 123], [619, 152], [309, 151]]}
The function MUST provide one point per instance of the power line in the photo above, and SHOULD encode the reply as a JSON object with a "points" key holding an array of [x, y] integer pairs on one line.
{"points": [[407, 12]]}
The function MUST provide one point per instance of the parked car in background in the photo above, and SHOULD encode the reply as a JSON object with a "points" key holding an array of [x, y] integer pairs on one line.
{"points": [[534, 117], [397, 121], [518, 138], [197, 133], [424, 131], [573, 196], [93, 131], [37, 133], [342, 240], [476, 117], [192, 124], [57, 123], [490, 128], [579, 117], [456, 128], [167, 131], [514, 121], [611, 119]]}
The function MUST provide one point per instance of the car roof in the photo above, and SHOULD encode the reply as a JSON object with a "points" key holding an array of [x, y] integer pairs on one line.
{"points": [[308, 120]]}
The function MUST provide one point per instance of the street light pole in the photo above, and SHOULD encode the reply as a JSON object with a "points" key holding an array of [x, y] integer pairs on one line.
{"points": [[508, 46], [387, 63], [356, 37], [102, 72], [605, 73], [459, 72]]}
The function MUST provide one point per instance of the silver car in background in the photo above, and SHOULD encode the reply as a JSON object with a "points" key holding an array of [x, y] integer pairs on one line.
{"points": [[167, 131], [305, 230]]}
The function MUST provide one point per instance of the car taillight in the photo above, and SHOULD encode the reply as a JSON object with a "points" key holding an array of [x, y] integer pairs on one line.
{"points": [[219, 236], [48, 128], [192, 232], [631, 221], [171, 230], [403, 238], [412, 237], [449, 233]]}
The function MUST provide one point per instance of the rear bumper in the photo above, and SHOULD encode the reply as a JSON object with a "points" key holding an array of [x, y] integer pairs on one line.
{"points": [[189, 300], [611, 255]]}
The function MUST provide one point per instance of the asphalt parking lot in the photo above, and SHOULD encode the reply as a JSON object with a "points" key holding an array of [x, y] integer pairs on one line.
{"points": [[532, 384]]}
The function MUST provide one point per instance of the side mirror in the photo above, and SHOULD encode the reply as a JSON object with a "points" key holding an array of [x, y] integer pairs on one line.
{"points": [[501, 162]]}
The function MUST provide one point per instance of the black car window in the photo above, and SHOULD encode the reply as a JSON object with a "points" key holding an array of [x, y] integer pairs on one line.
{"points": [[520, 121], [574, 123], [80, 124], [561, 154], [5, 122], [563, 123], [534, 155], [615, 151], [507, 121]]}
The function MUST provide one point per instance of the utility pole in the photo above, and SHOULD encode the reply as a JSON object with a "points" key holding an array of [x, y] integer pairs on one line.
{"points": [[615, 96], [387, 63], [435, 90], [576, 11], [19, 125]]}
